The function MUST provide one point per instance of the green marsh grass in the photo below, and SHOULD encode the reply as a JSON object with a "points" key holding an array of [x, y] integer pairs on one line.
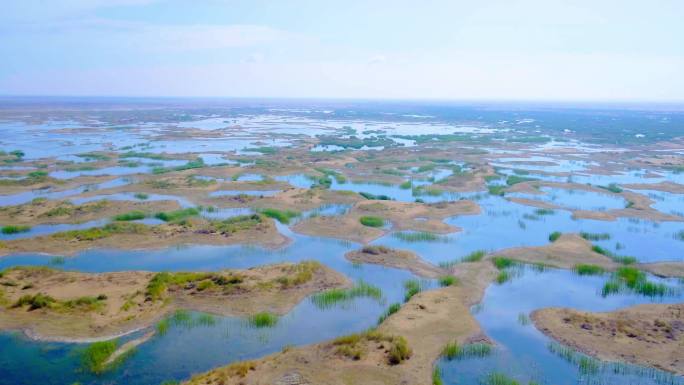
{"points": [[448, 280], [503, 277], [475, 256], [333, 297], [498, 190], [418, 236], [623, 259], [553, 237], [15, 229], [177, 215], [454, 351], [437, 376], [588, 269], [141, 196], [524, 319], [282, 216], [613, 187], [503, 262], [370, 196], [595, 236], [263, 320], [631, 279], [130, 216], [372, 221], [406, 185], [96, 354], [411, 288], [393, 308]]}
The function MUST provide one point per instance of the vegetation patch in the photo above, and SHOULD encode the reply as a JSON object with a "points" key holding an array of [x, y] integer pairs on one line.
{"points": [[370, 196], [283, 216], [613, 187], [263, 320], [595, 236], [393, 308], [454, 351], [634, 280], [15, 229], [418, 236], [588, 269], [130, 216], [95, 233], [96, 355], [411, 288], [448, 280], [372, 221], [356, 346], [333, 297], [553, 237], [177, 215]]}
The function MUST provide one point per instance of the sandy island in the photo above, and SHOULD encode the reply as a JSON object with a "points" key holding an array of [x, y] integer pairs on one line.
{"points": [[649, 335]]}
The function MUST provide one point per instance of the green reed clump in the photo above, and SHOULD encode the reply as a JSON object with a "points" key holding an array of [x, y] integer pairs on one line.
{"points": [[553, 237], [263, 320], [141, 196], [634, 280], [588, 269], [411, 288], [177, 215], [542, 212], [595, 236], [15, 229], [515, 179], [130, 216], [437, 376], [498, 379], [523, 319], [448, 280], [406, 185], [372, 221], [58, 260], [503, 277], [498, 190], [96, 355], [454, 351], [475, 256], [503, 262], [623, 259], [393, 308], [586, 364], [332, 297], [417, 236], [282, 216], [612, 187], [370, 196]]}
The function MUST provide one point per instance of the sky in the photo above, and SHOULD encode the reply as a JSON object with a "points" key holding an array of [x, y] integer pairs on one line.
{"points": [[580, 50]]}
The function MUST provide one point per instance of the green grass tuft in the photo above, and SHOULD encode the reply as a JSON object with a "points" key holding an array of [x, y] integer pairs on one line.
{"points": [[587, 269], [177, 215], [96, 354], [371, 221], [15, 229], [130, 216], [263, 320], [283, 216]]}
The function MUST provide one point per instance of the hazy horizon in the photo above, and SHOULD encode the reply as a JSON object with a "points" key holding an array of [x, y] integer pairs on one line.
{"points": [[501, 51]]}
